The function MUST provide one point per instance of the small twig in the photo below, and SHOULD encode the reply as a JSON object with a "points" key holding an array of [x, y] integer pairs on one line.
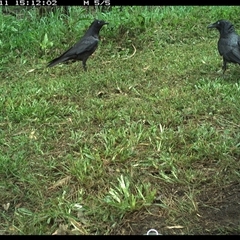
{"points": [[132, 54]]}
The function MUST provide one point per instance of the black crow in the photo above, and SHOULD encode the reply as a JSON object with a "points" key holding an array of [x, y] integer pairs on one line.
{"points": [[85, 47], [228, 43]]}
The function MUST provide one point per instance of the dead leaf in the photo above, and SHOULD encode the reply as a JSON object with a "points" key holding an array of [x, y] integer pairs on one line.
{"points": [[60, 182], [32, 135], [62, 230], [100, 94], [69, 120], [78, 227], [146, 68], [118, 90], [6, 206], [18, 205], [175, 227]]}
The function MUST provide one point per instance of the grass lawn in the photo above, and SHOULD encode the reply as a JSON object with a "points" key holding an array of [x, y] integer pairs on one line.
{"points": [[147, 138]]}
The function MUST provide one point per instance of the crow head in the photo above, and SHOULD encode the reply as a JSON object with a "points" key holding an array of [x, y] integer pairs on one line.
{"points": [[223, 26], [99, 23]]}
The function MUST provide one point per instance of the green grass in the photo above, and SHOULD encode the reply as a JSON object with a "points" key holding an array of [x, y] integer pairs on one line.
{"points": [[156, 128]]}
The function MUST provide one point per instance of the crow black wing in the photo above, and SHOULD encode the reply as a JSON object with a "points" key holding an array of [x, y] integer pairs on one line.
{"points": [[82, 49], [229, 48]]}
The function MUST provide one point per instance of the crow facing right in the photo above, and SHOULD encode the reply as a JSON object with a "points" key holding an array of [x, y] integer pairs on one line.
{"points": [[228, 43], [85, 47]]}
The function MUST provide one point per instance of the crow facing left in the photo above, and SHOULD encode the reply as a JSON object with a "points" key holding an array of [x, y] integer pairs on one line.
{"points": [[84, 48], [228, 43]]}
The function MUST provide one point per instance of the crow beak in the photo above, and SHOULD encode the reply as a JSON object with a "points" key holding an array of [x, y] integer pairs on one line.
{"points": [[106, 23], [211, 25]]}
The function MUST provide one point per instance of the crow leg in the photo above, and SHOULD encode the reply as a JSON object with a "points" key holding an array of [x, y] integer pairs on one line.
{"points": [[84, 65], [224, 67]]}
